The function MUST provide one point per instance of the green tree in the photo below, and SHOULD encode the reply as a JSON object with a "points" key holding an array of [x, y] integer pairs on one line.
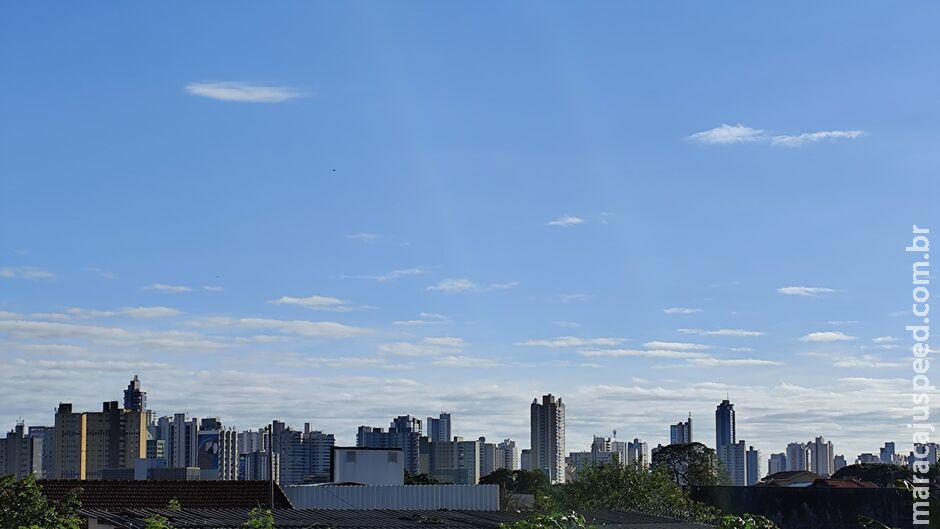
{"points": [[174, 505], [157, 522], [746, 521], [880, 474], [512, 483], [690, 465], [420, 479], [631, 488], [259, 518], [22, 504], [550, 521]]}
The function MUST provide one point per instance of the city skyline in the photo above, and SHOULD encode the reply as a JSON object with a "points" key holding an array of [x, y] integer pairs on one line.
{"points": [[303, 213]]}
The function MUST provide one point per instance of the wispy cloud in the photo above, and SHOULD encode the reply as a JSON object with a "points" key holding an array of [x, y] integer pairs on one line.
{"points": [[569, 298], [168, 289], [131, 312], [364, 237], [827, 336], [676, 346], [681, 310], [565, 221], [567, 324], [431, 346], [395, 274], [317, 303], [425, 318], [711, 361], [211, 288], [456, 286], [572, 341], [842, 322], [104, 274], [25, 272], [640, 353], [731, 134], [805, 291], [740, 333], [243, 92]]}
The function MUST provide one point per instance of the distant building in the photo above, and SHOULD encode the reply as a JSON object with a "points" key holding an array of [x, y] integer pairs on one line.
{"points": [[252, 441], [547, 431], [776, 463], [753, 469], [368, 466], [156, 449], [255, 466], [134, 398], [439, 429], [174, 474], [456, 461], [525, 459], [404, 434], [734, 460], [887, 454], [821, 457], [839, 463], [507, 455], [924, 453], [488, 459], [88, 443], [638, 453], [724, 424], [681, 433], [867, 459], [20, 454], [47, 435], [797, 457]]}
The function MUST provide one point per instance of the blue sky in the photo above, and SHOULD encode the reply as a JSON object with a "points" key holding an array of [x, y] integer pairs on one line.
{"points": [[338, 213]]}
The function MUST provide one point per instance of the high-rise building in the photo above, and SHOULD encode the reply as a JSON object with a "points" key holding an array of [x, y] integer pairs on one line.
{"points": [[183, 442], [867, 459], [318, 447], [457, 461], [439, 429], [252, 441], [507, 455], [525, 459], [887, 454], [547, 420], [681, 432], [404, 433], [47, 434], [776, 463], [733, 458], [724, 424], [797, 457], [20, 454], [288, 445], [88, 443], [821, 457], [753, 466], [838, 463], [638, 453], [488, 458], [134, 398]]}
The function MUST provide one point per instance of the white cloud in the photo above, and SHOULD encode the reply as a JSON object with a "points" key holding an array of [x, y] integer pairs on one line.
{"points": [[731, 362], [730, 134], [566, 220], [642, 353], [310, 329], [568, 298], [131, 312], [313, 302], [740, 333], [681, 310], [572, 341], [396, 274], [431, 346], [827, 336], [25, 272], [567, 324], [104, 274], [243, 92], [425, 318], [884, 339], [455, 286], [866, 362], [676, 346], [169, 289], [841, 322], [211, 288], [364, 237], [805, 291]]}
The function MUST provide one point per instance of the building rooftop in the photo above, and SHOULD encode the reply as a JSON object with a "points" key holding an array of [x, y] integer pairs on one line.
{"points": [[122, 495], [361, 519]]}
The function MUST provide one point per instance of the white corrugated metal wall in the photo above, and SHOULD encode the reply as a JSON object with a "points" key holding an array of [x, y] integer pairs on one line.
{"points": [[430, 497]]}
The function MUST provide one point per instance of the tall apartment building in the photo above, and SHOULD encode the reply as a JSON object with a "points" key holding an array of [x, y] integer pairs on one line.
{"points": [[887, 454], [821, 457], [47, 435], [88, 443], [638, 453], [681, 432], [734, 460], [547, 432], [21, 454], [525, 459], [797, 457], [439, 429], [457, 461], [404, 433], [752, 469], [134, 398], [488, 461], [838, 463], [317, 449], [507, 455], [724, 424], [776, 463]]}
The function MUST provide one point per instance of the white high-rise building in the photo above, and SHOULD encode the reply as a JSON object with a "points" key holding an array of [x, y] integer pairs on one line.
{"points": [[797, 457], [507, 455], [776, 463], [548, 437], [638, 453], [887, 454], [821, 457], [734, 459]]}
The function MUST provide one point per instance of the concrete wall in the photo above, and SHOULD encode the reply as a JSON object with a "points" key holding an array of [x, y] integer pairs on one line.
{"points": [[812, 508], [424, 497]]}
